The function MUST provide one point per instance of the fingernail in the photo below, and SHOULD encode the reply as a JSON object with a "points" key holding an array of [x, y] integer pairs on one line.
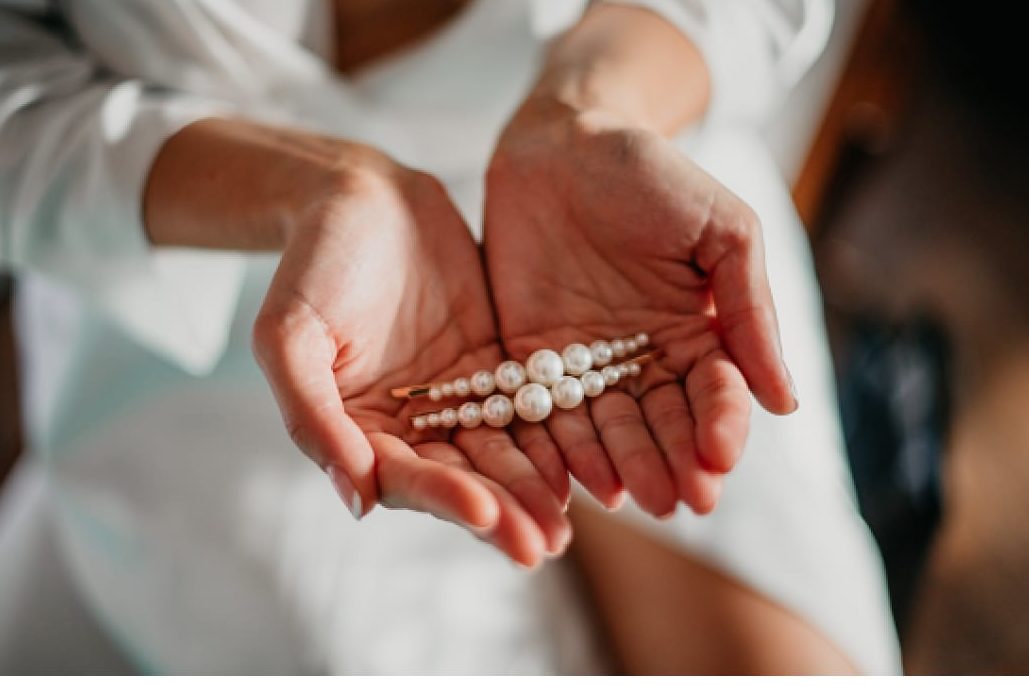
{"points": [[345, 488], [793, 388], [617, 503]]}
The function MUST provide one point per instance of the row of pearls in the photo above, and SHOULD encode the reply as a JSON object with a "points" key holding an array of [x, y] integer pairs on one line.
{"points": [[544, 367], [533, 401]]}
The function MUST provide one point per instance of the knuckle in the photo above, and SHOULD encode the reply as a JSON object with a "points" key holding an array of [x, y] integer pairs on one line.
{"points": [[522, 485], [634, 455], [424, 187], [539, 445], [741, 228], [496, 444], [667, 417], [584, 450], [681, 448], [265, 336], [618, 422], [716, 385], [748, 220]]}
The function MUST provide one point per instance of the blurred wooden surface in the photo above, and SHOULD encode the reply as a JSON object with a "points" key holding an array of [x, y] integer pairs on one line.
{"points": [[865, 110]]}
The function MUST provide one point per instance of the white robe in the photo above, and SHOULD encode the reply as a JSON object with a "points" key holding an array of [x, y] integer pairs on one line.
{"points": [[198, 534]]}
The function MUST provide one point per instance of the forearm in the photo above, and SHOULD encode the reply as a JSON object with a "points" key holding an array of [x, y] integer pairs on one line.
{"points": [[234, 184], [629, 62]]}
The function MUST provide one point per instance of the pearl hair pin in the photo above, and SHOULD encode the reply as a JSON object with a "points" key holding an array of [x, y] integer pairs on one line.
{"points": [[533, 401], [544, 367]]}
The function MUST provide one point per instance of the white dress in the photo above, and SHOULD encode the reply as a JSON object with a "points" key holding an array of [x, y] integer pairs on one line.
{"points": [[200, 537]]}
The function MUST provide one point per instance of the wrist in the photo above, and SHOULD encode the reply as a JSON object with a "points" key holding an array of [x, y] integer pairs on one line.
{"points": [[237, 185], [625, 64], [550, 122], [346, 175]]}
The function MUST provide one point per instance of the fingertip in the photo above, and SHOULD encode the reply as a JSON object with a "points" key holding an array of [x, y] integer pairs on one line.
{"points": [[781, 404], [720, 443], [469, 502], [782, 399], [558, 546], [701, 491], [660, 499], [350, 450], [529, 552], [482, 512], [668, 513]]}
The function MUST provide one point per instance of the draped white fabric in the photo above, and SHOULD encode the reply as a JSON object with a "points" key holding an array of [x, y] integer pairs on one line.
{"points": [[199, 535]]}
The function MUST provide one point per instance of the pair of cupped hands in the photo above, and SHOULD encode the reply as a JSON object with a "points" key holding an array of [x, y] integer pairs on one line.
{"points": [[592, 230]]}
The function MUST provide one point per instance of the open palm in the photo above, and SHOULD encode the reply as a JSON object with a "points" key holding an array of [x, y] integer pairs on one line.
{"points": [[624, 234], [383, 287]]}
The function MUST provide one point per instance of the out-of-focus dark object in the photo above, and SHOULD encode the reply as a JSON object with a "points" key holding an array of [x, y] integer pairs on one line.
{"points": [[978, 50], [895, 405]]}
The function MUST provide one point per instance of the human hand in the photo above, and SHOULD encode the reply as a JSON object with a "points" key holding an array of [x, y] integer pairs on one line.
{"points": [[595, 229], [379, 285]]}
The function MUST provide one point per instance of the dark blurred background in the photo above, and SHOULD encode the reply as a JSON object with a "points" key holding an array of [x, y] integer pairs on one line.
{"points": [[916, 193], [912, 178]]}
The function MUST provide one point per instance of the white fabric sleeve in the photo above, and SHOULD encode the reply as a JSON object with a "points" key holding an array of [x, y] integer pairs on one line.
{"points": [[75, 149], [755, 50]]}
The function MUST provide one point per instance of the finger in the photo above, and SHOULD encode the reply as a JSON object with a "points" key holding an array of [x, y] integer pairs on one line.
{"points": [[720, 404], [515, 533], [633, 452], [296, 355], [576, 438], [437, 487], [535, 441], [494, 455], [671, 424], [732, 253]]}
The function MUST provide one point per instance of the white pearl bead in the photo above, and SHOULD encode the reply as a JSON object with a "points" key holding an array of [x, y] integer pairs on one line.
{"points": [[544, 367], [533, 403], [577, 358], [634, 368], [593, 383], [483, 383], [630, 345], [611, 375], [432, 419], [510, 376], [470, 415], [462, 387], [435, 393], [448, 418], [601, 352], [418, 422], [623, 370], [618, 347], [497, 410], [567, 393], [642, 339], [447, 389]]}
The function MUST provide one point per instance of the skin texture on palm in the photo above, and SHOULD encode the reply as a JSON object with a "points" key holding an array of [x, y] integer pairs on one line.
{"points": [[624, 234]]}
